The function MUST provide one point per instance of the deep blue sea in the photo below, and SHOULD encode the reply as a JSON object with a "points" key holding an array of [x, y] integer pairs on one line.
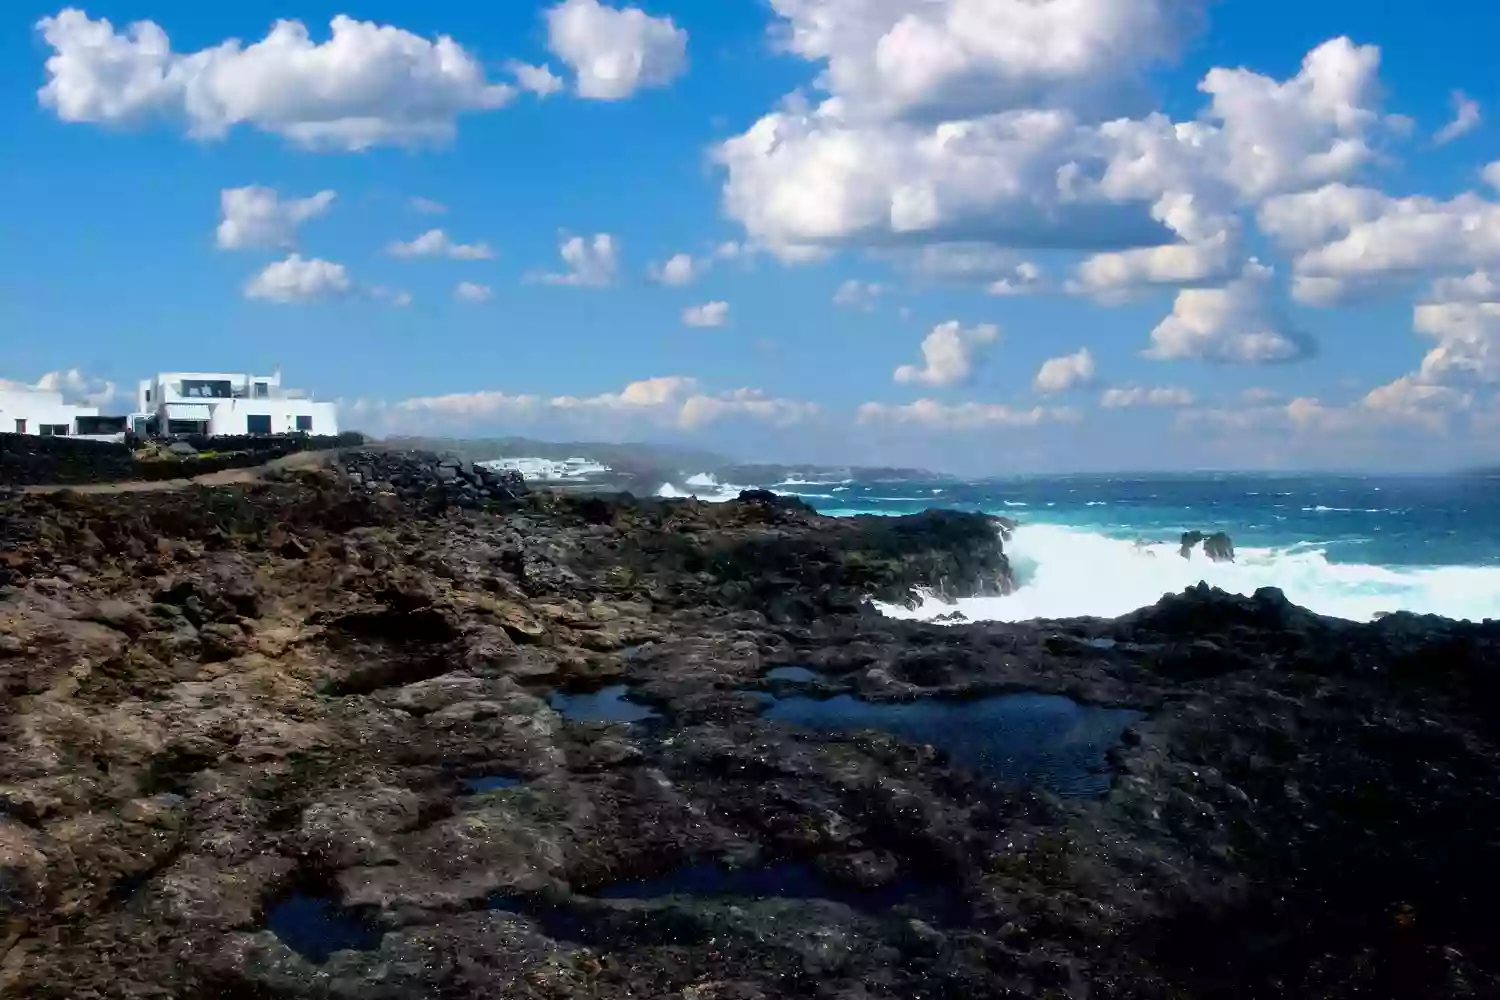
{"points": [[1350, 546]]}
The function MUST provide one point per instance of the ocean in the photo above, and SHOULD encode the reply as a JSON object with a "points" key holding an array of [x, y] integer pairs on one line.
{"points": [[1349, 546]]}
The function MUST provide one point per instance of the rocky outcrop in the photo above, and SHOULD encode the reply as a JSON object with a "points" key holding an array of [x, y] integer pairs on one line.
{"points": [[307, 738], [1218, 546], [437, 480]]}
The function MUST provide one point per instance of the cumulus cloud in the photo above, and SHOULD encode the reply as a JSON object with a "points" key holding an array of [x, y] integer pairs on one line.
{"points": [[1235, 324], [299, 279], [591, 263], [256, 217], [538, 80], [366, 85], [74, 386], [1463, 316], [437, 243], [955, 58], [427, 206], [615, 52], [950, 353], [1466, 118], [963, 416], [468, 291], [1071, 371], [680, 269], [1127, 396], [710, 314], [942, 124], [856, 294], [1353, 243]]}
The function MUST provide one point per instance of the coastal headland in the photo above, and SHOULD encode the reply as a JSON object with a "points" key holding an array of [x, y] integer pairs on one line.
{"points": [[400, 727]]}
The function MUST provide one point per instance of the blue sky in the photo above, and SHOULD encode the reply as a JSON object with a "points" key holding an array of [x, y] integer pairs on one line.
{"points": [[1268, 225]]}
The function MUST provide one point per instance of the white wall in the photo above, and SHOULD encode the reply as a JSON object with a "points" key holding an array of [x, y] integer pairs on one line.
{"points": [[37, 408], [230, 415]]}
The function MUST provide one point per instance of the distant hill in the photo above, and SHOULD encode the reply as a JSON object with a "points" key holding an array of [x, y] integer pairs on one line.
{"points": [[643, 468]]}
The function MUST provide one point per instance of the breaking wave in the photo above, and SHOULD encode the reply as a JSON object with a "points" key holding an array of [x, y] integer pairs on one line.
{"points": [[1066, 572]]}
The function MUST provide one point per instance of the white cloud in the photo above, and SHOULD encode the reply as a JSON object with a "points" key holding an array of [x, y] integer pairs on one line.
{"points": [[257, 218], [591, 263], [472, 406], [1235, 324], [395, 297], [614, 52], [963, 416], [298, 279], [1466, 118], [940, 126], [538, 80], [949, 354], [367, 85], [76, 387], [1122, 397], [995, 268], [681, 269], [710, 314], [731, 250], [1071, 371], [1357, 242], [856, 294], [1463, 316], [678, 401], [468, 291], [955, 58], [428, 207], [436, 243], [1491, 174]]}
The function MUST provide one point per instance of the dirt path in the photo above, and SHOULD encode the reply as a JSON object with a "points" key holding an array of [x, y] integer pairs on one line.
{"points": [[228, 477]]}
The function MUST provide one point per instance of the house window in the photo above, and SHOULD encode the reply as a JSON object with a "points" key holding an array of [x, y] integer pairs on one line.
{"points": [[304, 424], [206, 389], [20, 427], [262, 390], [148, 395], [53, 430], [258, 423]]}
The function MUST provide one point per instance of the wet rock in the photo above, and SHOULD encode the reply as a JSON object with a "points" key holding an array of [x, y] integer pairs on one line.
{"points": [[1217, 546]]}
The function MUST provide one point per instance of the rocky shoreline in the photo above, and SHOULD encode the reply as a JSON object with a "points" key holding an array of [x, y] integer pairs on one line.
{"points": [[380, 731]]}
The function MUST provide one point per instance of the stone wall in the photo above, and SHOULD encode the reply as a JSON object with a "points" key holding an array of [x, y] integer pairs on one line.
{"points": [[439, 480], [30, 460]]}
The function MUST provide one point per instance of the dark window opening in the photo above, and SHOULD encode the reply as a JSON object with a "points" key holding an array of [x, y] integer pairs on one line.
{"points": [[148, 395], [102, 425], [206, 389], [304, 424], [258, 423], [20, 427], [179, 427], [262, 390], [53, 430]]}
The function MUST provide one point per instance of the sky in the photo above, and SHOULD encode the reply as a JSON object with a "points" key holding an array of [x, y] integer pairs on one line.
{"points": [[983, 236]]}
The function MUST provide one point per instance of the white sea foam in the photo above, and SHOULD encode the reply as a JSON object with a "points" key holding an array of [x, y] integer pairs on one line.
{"points": [[708, 494], [1068, 572]]}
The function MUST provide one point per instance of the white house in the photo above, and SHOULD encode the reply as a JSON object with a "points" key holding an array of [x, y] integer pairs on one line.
{"points": [[25, 410], [221, 403]]}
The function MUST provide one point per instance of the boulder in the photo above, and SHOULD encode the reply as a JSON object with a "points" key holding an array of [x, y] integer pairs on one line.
{"points": [[1218, 546]]}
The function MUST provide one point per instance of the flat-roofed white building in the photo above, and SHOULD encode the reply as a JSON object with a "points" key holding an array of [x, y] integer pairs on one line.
{"points": [[228, 403], [26, 410]]}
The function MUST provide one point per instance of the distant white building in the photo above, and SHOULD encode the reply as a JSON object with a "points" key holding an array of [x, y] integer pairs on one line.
{"points": [[219, 403], [24, 410], [549, 470]]}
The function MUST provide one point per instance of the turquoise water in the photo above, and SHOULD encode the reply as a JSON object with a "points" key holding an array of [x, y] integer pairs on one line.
{"points": [[1349, 546]]}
